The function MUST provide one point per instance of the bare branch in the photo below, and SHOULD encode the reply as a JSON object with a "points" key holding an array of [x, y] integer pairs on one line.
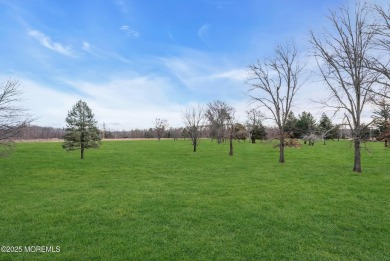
{"points": [[342, 61], [13, 118], [274, 84]]}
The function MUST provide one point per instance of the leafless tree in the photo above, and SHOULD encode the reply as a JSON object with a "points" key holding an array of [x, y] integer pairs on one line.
{"points": [[160, 125], [341, 53], [274, 84], [380, 62], [194, 121], [13, 118], [217, 114]]}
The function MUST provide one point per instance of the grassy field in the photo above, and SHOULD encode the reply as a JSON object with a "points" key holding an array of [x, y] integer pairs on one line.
{"points": [[150, 200]]}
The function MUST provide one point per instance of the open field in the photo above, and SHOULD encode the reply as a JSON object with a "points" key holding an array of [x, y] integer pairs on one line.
{"points": [[150, 200]]}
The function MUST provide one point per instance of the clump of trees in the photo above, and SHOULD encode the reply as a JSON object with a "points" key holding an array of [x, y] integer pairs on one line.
{"points": [[160, 125], [381, 117], [385, 135], [81, 131], [222, 122], [306, 127], [240, 132], [256, 129], [218, 114]]}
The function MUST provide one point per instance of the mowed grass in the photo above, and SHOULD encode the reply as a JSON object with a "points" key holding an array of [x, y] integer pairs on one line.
{"points": [[150, 200]]}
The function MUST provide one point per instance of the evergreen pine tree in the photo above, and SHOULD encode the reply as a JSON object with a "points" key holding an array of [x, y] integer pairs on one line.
{"points": [[81, 131]]}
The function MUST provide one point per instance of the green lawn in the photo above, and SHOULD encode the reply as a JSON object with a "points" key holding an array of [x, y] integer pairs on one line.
{"points": [[150, 200]]}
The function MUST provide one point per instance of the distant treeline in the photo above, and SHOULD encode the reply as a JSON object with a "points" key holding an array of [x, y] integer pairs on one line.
{"points": [[33, 132]]}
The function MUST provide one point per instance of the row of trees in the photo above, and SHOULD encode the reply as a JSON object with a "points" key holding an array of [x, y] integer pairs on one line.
{"points": [[82, 132], [215, 122], [218, 120], [352, 57]]}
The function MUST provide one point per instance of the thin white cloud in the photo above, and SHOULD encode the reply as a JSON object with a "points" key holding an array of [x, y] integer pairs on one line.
{"points": [[202, 32], [222, 4], [87, 47], [121, 5], [95, 51], [129, 31], [210, 77], [132, 102], [48, 43], [235, 74]]}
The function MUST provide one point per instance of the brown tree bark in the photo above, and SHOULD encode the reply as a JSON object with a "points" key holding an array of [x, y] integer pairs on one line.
{"points": [[281, 150], [82, 151], [357, 166], [231, 144]]}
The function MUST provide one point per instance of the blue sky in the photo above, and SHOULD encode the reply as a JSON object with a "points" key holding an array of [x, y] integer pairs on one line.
{"points": [[136, 60]]}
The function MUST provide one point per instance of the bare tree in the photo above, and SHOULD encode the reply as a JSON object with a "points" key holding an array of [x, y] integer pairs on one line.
{"points": [[274, 84], [13, 118], [194, 121], [217, 114], [160, 126], [381, 62], [341, 57]]}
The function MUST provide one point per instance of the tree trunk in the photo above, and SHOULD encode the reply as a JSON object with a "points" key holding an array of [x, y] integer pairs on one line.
{"points": [[281, 150], [82, 151], [231, 145], [357, 166], [386, 145], [253, 140], [194, 143]]}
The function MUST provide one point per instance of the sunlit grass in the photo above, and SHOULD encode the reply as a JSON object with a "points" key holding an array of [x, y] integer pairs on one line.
{"points": [[150, 200]]}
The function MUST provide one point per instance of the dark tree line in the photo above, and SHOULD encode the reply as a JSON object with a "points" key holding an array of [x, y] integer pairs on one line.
{"points": [[305, 124]]}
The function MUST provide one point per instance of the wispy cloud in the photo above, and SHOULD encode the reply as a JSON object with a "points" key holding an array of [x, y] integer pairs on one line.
{"points": [[202, 32], [129, 32], [105, 55], [87, 47], [206, 77], [122, 102], [48, 43], [222, 4], [235, 74], [121, 5]]}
